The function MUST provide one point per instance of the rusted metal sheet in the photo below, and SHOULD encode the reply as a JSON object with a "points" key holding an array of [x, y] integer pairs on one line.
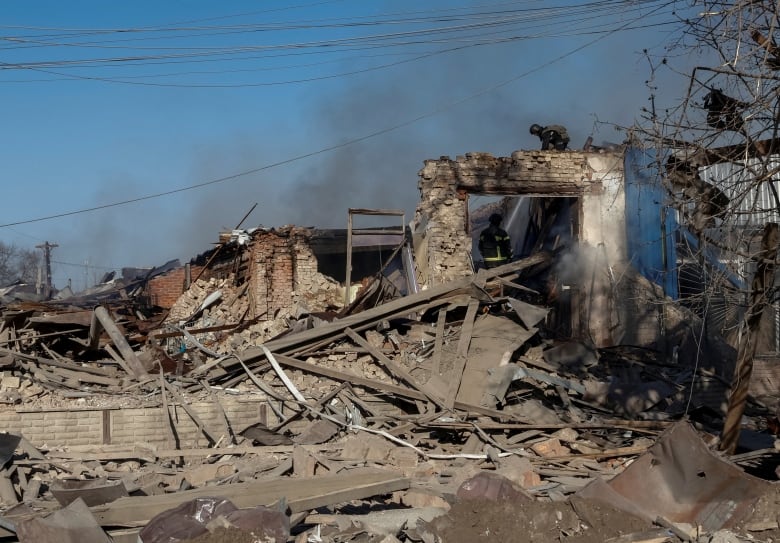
{"points": [[681, 480]]}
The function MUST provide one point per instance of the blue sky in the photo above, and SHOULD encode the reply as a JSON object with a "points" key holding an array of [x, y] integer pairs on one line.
{"points": [[304, 107]]}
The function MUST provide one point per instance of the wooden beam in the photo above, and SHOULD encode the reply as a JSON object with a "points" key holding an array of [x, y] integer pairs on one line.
{"points": [[301, 494], [462, 353], [148, 455], [441, 321], [402, 306], [380, 386], [193, 415], [394, 367], [129, 356]]}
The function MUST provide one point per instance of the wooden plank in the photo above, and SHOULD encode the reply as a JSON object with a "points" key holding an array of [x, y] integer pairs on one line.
{"points": [[119, 360], [456, 374], [150, 455], [441, 321], [82, 376], [393, 367], [103, 372], [164, 335], [193, 415], [322, 401], [36, 337], [302, 494], [138, 371], [169, 427], [383, 387], [221, 410], [400, 306]]}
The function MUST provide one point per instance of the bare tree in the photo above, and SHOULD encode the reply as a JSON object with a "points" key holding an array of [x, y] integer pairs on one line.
{"points": [[18, 264], [718, 149], [719, 155]]}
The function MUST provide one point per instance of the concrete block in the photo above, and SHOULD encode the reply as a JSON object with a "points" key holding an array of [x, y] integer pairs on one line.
{"points": [[9, 381]]}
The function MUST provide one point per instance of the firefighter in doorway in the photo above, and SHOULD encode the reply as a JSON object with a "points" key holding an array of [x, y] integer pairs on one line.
{"points": [[494, 245]]}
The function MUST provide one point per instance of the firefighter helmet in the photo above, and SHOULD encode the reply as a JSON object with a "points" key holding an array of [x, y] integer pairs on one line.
{"points": [[536, 129], [496, 219]]}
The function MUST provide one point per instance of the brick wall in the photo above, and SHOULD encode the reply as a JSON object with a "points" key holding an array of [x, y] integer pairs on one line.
{"points": [[165, 289], [282, 266], [70, 427]]}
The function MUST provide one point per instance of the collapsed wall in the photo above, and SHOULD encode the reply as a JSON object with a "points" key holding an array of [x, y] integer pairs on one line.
{"points": [[442, 239], [443, 242], [282, 268]]}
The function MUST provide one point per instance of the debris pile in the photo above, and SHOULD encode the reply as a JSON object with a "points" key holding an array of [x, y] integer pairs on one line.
{"points": [[448, 415]]}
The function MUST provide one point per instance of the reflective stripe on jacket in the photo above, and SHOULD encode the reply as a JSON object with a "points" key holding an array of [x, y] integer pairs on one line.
{"points": [[494, 245]]}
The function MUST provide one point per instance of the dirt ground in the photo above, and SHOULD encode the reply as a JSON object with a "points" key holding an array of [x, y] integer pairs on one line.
{"points": [[225, 535], [766, 511], [520, 521], [534, 522]]}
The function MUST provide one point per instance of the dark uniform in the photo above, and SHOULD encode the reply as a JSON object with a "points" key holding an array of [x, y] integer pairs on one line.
{"points": [[553, 136], [494, 245]]}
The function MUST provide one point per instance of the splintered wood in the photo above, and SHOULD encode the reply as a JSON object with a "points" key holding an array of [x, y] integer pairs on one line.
{"points": [[427, 389]]}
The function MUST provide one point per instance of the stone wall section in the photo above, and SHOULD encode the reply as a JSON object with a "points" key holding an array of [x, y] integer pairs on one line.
{"points": [[129, 426], [441, 219], [56, 427]]}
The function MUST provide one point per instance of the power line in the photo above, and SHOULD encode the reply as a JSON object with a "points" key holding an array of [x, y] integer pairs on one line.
{"points": [[504, 18], [334, 147], [86, 266]]}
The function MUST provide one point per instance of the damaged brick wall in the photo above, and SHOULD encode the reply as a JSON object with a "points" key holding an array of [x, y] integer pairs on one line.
{"points": [[165, 289], [282, 265], [443, 242]]}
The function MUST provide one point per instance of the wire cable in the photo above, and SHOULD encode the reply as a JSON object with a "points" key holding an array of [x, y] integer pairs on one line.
{"points": [[330, 148]]}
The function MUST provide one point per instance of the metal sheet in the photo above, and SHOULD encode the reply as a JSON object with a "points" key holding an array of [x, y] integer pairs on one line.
{"points": [[92, 491], [8, 444], [190, 520], [530, 315], [751, 203], [74, 524], [650, 225], [680, 479]]}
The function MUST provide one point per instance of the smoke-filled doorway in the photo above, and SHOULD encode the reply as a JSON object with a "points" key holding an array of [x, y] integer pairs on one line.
{"points": [[536, 223]]}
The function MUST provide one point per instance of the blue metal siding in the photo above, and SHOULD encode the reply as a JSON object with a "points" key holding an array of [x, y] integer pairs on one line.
{"points": [[650, 222]]}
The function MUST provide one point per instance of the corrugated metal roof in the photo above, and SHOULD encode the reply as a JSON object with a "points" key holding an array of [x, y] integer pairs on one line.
{"points": [[751, 203]]}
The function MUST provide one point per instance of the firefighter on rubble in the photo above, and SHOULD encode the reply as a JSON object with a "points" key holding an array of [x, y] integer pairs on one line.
{"points": [[494, 245], [554, 136]]}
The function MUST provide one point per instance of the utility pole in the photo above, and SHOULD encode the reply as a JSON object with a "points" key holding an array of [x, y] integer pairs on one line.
{"points": [[47, 247]]}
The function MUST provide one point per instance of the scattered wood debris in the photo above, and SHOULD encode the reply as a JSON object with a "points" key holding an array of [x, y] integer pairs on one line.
{"points": [[372, 420]]}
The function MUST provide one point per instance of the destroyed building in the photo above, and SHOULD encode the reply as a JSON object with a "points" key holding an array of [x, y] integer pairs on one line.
{"points": [[294, 373]]}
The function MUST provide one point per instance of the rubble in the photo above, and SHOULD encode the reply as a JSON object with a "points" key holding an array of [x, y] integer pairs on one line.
{"points": [[404, 387], [453, 413]]}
